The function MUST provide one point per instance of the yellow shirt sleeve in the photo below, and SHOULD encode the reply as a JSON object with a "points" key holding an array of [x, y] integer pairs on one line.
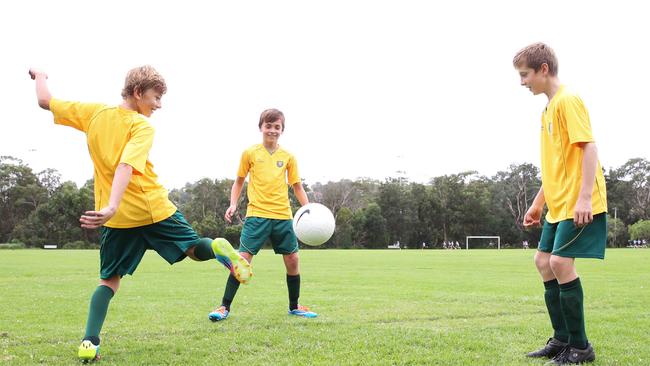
{"points": [[293, 176], [576, 118], [74, 114], [136, 151], [244, 164]]}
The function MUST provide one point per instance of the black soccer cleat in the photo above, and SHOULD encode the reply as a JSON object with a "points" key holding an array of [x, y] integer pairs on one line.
{"points": [[552, 348], [574, 356]]}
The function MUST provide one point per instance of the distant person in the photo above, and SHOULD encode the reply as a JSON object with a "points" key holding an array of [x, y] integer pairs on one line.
{"points": [[131, 208], [270, 170], [573, 189]]}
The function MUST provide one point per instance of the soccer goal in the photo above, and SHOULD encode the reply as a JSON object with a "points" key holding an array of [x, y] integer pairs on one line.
{"points": [[486, 241]]}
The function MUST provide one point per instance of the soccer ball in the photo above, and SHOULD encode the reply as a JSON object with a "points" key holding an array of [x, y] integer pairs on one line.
{"points": [[313, 224]]}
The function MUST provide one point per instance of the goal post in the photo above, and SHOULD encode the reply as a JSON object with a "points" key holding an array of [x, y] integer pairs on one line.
{"points": [[467, 238]]}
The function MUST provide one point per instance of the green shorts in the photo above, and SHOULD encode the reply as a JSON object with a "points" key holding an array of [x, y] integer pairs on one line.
{"points": [[257, 230], [122, 249], [564, 239]]}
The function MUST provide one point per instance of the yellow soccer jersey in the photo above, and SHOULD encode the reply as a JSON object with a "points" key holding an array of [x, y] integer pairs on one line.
{"points": [[269, 174], [117, 135], [565, 123]]}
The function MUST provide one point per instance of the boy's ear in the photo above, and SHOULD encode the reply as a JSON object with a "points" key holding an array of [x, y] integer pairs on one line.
{"points": [[137, 93], [544, 68]]}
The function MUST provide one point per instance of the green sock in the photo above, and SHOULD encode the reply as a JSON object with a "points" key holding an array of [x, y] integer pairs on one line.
{"points": [[293, 284], [97, 313], [232, 285], [571, 299], [203, 250], [552, 298]]}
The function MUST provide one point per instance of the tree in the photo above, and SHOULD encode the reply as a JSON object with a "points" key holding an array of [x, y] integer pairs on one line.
{"points": [[617, 231], [57, 221], [20, 194], [640, 230], [631, 185]]}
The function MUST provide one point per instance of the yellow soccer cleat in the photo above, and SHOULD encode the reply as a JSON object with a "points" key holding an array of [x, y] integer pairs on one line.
{"points": [[232, 260], [88, 352]]}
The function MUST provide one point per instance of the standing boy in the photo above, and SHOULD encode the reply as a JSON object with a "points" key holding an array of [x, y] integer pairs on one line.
{"points": [[268, 215], [131, 207], [573, 189]]}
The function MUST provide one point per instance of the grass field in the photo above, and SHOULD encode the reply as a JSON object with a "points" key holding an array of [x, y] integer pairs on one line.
{"points": [[409, 307]]}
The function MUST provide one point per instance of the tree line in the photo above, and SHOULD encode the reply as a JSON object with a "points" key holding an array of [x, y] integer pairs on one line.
{"points": [[36, 208]]}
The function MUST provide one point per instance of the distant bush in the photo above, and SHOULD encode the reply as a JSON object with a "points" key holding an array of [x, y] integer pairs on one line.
{"points": [[80, 244], [12, 246]]}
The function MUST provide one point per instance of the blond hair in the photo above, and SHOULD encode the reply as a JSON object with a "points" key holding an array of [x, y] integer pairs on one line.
{"points": [[271, 115], [535, 55], [142, 79]]}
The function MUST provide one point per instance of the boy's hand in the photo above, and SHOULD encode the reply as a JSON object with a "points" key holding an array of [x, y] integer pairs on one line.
{"points": [[582, 214], [533, 217], [95, 219], [34, 72], [229, 212]]}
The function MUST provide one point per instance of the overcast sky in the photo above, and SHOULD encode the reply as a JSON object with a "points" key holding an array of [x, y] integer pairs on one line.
{"points": [[368, 88]]}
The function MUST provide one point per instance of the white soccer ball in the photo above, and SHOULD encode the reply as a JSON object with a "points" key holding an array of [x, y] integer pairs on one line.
{"points": [[313, 224]]}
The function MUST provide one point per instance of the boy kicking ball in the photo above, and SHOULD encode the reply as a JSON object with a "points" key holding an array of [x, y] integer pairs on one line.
{"points": [[268, 216], [132, 209], [573, 189]]}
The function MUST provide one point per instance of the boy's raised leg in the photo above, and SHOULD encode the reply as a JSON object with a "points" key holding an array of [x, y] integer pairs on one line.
{"points": [[231, 259]]}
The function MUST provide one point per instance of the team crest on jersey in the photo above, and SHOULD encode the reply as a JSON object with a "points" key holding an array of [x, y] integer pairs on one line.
{"points": [[279, 163]]}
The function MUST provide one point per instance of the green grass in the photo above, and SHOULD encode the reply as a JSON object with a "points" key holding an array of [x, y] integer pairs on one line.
{"points": [[409, 307]]}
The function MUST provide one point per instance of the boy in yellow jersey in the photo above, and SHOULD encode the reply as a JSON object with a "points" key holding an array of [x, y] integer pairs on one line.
{"points": [[131, 207], [268, 215], [573, 189]]}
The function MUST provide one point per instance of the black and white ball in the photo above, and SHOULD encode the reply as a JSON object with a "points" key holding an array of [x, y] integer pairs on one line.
{"points": [[313, 224]]}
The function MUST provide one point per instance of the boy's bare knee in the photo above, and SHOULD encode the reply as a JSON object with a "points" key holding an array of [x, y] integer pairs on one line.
{"points": [[113, 283]]}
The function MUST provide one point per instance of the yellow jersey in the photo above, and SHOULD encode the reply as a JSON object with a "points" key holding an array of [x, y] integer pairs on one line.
{"points": [[116, 135], [270, 176], [565, 124]]}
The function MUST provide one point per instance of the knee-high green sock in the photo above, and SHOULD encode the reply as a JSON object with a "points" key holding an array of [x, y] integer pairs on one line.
{"points": [[232, 285], [97, 313], [552, 299], [203, 249], [293, 284], [572, 308]]}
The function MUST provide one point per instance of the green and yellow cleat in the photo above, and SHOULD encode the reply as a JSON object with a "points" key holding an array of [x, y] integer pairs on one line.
{"points": [[88, 352], [232, 260]]}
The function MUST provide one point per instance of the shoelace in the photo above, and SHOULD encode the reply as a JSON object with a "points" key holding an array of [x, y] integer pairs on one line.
{"points": [[221, 310], [303, 308], [563, 356]]}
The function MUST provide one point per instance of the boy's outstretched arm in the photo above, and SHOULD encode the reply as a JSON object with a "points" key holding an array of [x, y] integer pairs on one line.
{"points": [[582, 214], [95, 219], [300, 193], [237, 186], [42, 91], [533, 216]]}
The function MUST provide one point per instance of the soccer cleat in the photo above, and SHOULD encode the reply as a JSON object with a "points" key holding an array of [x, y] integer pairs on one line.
{"points": [[88, 352], [550, 350], [220, 313], [233, 261], [303, 311], [574, 356]]}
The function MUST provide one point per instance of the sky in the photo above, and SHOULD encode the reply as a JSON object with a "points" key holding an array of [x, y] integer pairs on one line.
{"points": [[368, 88]]}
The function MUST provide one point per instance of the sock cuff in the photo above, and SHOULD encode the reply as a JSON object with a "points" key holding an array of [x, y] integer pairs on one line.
{"points": [[110, 290], [93, 339], [551, 284], [571, 284]]}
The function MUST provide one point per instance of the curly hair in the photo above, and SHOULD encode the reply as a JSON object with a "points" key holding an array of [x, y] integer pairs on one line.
{"points": [[141, 79]]}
